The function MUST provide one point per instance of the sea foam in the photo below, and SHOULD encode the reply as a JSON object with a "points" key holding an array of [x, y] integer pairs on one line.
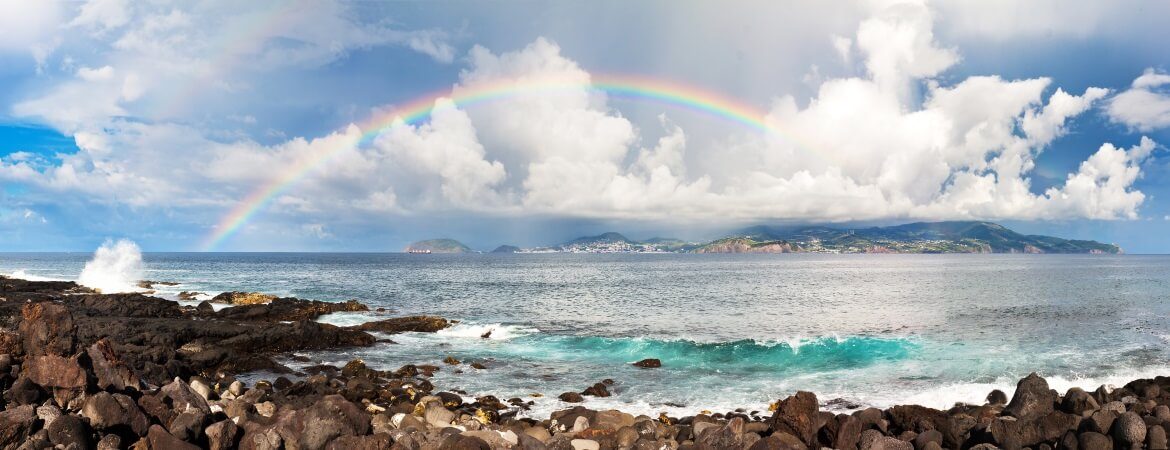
{"points": [[115, 267]]}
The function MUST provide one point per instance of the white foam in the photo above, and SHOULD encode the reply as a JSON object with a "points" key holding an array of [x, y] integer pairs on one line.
{"points": [[347, 318], [499, 332], [115, 267], [21, 274]]}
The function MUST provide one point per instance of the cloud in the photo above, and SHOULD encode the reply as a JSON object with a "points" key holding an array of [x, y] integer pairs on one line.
{"points": [[897, 138], [1145, 106]]}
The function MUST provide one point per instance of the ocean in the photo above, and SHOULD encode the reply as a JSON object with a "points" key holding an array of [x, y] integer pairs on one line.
{"points": [[732, 331]]}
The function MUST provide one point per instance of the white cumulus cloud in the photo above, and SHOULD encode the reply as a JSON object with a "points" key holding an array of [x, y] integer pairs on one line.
{"points": [[1146, 105]]}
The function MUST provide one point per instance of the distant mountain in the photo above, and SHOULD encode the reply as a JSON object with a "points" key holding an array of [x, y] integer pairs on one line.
{"points": [[438, 246], [603, 238], [919, 237], [506, 249], [745, 244]]}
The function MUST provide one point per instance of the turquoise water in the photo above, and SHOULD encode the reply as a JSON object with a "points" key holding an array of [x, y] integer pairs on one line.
{"points": [[731, 330]]}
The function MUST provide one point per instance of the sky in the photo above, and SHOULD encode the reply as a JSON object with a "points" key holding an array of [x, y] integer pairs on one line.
{"points": [[363, 126]]}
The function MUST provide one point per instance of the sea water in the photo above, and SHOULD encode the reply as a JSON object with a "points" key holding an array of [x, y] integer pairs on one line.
{"points": [[731, 330]]}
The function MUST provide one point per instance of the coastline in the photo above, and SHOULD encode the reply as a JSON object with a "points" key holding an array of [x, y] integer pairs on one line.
{"points": [[90, 369]]}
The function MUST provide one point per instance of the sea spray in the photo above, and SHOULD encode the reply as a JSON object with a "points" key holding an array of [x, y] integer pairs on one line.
{"points": [[115, 267]]}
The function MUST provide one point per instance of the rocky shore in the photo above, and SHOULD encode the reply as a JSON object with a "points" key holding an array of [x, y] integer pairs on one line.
{"points": [[83, 370]]}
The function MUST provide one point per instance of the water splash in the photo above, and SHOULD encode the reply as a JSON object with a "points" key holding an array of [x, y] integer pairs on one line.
{"points": [[115, 267]]}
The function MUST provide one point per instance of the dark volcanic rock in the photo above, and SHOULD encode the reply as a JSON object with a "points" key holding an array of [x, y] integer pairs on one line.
{"points": [[1033, 399], [797, 415], [597, 390], [222, 435], [48, 329], [69, 430], [111, 372], [63, 377], [418, 324], [115, 413], [124, 305], [1077, 401], [16, 424], [650, 363], [288, 310], [571, 397], [160, 438]]}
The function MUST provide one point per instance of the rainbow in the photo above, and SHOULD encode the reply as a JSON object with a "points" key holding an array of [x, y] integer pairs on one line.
{"points": [[418, 110]]}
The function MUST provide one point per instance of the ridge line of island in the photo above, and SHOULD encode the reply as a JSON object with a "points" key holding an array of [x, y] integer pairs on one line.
{"points": [[918, 237]]}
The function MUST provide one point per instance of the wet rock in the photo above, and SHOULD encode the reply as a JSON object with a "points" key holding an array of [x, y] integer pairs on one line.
{"points": [[649, 363], [797, 415], [47, 329], [123, 305], [1077, 401], [1129, 430], [417, 324], [1090, 440], [916, 418], [571, 397], [288, 310], [159, 438], [242, 298], [1033, 399], [115, 413], [451, 360], [597, 390], [222, 435], [69, 430], [997, 397]]}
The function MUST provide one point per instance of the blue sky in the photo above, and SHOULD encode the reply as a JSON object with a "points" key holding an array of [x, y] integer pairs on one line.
{"points": [[153, 121]]}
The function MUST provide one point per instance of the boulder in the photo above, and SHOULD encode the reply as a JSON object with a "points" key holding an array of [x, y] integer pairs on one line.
{"points": [[1077, 401], [1033, 399], [1129, 431], [111, 372], [848, 432], [62, 376], [649, 363], [313, 427], [571, 397], [1156, 438], [114, 412], [997, 397], [159, 439], [16, 425], [730, 435], [188, 425], [372, 442], [243, 298], [69, 430], [47, 329], [916, 418], [797, 415], [222, 435], [182, 398], [779, 441], [24, 392], [288, 310], [416, 324], [597, 390], [1091, 440]]}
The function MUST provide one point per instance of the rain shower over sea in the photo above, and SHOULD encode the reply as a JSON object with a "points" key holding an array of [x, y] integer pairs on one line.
{"points": [[731, 331]]}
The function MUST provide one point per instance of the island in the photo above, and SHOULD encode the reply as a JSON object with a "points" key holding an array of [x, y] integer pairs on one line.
{"points": [[437, 246]]}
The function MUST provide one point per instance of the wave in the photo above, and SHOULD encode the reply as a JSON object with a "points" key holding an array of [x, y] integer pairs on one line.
{"points": [[21, 274], [804, 355], [115, 267], [499, 332]]}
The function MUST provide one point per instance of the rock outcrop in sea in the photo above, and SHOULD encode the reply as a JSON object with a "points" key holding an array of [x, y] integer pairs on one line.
{"points": [[81, 370]]}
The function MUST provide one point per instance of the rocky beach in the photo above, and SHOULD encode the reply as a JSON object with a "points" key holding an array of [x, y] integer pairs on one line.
{"points": [[83, 370]]}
